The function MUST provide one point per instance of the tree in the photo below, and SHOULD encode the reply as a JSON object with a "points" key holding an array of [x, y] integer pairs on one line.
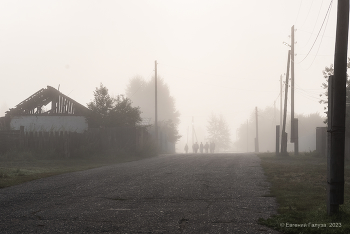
{"points": [[218, 132], [267, 130], [142, 94], [107, 111], [328, 71]]}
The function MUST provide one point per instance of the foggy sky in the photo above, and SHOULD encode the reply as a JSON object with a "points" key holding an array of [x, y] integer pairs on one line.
{"points": [[221, 57]]}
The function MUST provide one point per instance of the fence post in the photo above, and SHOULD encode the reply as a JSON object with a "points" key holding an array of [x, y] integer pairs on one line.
{"points": [[277, 139]]}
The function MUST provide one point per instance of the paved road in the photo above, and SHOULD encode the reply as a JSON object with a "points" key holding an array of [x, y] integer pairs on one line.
{"points": [[219, 193]]}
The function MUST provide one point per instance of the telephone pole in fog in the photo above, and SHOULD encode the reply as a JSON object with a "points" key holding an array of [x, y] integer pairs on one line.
{"points": [[337, 113], [284, 134], [280, 133], [292, 134], [156, 110]]}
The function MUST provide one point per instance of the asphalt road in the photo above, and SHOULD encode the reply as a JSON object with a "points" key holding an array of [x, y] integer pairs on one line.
{"points": [[208, 193]]}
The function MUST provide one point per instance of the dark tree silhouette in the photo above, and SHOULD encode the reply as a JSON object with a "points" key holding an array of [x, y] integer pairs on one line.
{"points": [[328, 71], [107, 111]]}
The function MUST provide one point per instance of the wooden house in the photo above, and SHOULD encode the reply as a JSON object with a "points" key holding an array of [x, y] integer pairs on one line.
{"points": [[47, 110]]}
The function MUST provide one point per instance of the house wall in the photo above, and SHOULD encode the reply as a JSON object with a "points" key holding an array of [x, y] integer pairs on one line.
{"points": [[50, 123]]}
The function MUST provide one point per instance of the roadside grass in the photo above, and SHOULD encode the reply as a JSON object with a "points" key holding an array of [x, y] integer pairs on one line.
{"points": [[299, 185], [21, 167]]}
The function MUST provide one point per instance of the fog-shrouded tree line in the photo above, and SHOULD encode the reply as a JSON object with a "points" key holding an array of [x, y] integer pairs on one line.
{"points": [[218, 132], [137, 106], [268, 118], [142, 94], [307, 123]]}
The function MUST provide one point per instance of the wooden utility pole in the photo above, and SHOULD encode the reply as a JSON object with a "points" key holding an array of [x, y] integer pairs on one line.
{"points": [[294, 122], [280, 133], [156, 107], [281, 100], [284, 134], [277, 139], [257, 131], [337, 112], [292, 85]]}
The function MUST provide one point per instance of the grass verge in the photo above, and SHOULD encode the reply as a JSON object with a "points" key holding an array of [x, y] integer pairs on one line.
{"points": [[299, 185], [20, 167]]}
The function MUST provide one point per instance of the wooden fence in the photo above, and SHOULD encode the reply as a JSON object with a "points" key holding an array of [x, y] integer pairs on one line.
{"points": [[129, 139]]}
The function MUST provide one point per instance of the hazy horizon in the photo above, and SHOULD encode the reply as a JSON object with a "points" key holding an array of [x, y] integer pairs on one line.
{"points": [[221, 57]]}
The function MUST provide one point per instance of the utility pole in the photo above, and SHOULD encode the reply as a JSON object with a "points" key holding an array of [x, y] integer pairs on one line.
{"points": [[294, 122], [292, 85], [280, 139], [284, 134], [257, 132], [156, 110], [337, 112]]}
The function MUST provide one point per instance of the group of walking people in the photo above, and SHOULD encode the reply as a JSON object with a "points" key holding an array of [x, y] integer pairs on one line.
{"points": [[207, 147]]}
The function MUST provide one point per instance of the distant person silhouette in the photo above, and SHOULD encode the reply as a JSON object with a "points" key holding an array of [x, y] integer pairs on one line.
{"points": [[186, 148], [196, 147]]}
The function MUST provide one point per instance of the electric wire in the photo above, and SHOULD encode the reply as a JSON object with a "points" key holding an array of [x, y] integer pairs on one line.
{"points": [[317, 33], [320, 41], [136, 91], [319, 10], [299, 11], [308, 13]]}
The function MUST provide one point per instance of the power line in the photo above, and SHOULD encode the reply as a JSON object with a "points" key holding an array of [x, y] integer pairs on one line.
{"points": [[320, 41], [318, 32], [319, 10], [299, 11], [308, 13], [139, 88]]}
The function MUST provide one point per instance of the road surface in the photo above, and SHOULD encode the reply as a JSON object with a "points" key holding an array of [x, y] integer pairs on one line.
{"points": [[193, 193]]}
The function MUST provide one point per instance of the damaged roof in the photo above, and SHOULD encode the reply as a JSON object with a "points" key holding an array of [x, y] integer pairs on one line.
{"points": [[60, 104]]}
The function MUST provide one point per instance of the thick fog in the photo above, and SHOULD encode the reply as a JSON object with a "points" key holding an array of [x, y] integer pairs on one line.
{"points": [[216, 57]]}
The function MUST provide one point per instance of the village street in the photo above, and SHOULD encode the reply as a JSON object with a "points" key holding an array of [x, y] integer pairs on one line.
{"points": [[193, 193]]}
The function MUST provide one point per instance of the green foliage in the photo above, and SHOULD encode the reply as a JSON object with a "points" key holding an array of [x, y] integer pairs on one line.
{"points": [[219, 132], [328, 71], [107, 111]]}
